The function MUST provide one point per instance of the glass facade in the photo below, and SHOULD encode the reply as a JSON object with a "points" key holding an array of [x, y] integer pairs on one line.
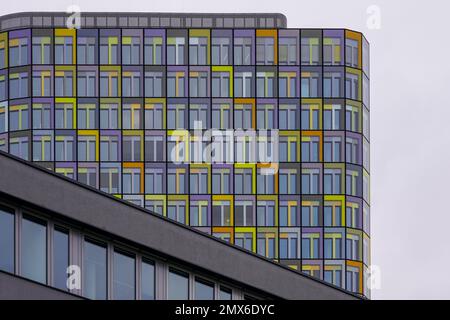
{"points": [[118, 109]]}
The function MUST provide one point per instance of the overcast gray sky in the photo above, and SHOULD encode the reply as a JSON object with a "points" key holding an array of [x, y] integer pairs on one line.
{"points": [[410, 127]]}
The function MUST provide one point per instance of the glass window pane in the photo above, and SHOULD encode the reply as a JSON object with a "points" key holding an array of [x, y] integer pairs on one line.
{"points": [[203, 290], [148, 281], [34, 250], [124, 277], [178, 286], [94, 271], [60, 259], [6, 241]]}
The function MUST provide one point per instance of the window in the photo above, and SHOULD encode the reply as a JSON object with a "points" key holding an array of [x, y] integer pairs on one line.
{"points": [[153, 84], [18, 85], [220, 50], [287, 85], [203, 290], [332, 117], [153, 116], [243, 116], [198, 181], [352, 147], [87, 83], [288, 117], [63, 50], [310, 149], [221, 84], [243, 84], [243, 181], [288, 181], [153, 50], [94, 271], [132, 115], [176, 116], [310, 181], [63, 83], [244, 213], [3, 94], [109, 116], [123, 276], [352, 118], [352, 86], [353, 247], [310, 214], [333, 246], [87, 148], [198, 47], [266, 213], [310, 84], [175, 50], [221, 213], [176, 210], [42, 83], [333, 276], [198, 213], [265, 50], [265, 183], [352, 278], [109, 148], [131, 84], [265, 84], [109, 84], [33, 249], [64, 116], [332, 149], [178, 285], [224, 293], [289, 246], [41, 50], [244, 240], [198, 84], [332, 82], [310, 51], [131, 50], [332, 214], [154, 148], [88, 176], [198, 116], [242, 50], [176, 82], [19, 147], [87, 116], [19, 117], [332, 181], [42, 150], [2, 54], [332, 51], [310, 117], [131, 180], [287, 51], [64, 148], [221, 116], [110, 180], [131, 148], [221, 181], [310, 246], [109, 50], [288, 214], [351, 53], [18, 52], [6, 240], [60, 258], [86, 49], [147, 280]]}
